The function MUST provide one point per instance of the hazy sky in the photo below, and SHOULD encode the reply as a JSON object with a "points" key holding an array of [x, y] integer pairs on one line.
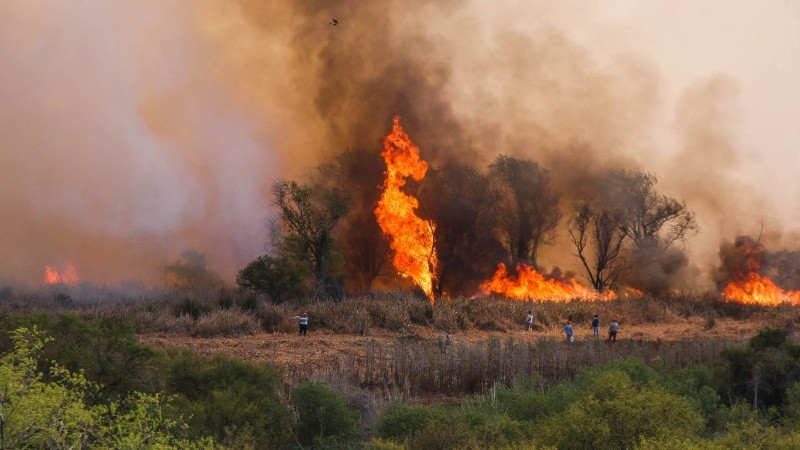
{"points": [[131, 131]]}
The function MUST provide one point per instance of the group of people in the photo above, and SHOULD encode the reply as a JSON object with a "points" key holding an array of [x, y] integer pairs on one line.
{"points": [[569, 329], [613, 328]]}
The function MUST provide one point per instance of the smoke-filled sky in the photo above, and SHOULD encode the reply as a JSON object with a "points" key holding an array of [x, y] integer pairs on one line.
{"points": [[131, 131]]}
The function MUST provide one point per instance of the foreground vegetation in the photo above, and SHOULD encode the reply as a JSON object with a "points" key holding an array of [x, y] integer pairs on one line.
{"points": [[80, 378]]}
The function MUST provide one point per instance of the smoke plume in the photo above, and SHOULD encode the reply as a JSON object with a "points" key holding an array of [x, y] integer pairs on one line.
{"points": [[131, 132]]}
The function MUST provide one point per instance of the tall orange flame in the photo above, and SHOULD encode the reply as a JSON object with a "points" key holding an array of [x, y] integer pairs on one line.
{"points": [[532, 285], [411, 237], [68, 276], [755, 289]]}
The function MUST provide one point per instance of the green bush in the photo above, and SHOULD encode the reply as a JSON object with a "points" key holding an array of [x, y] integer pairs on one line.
{"points": [[444, 435], [323, 418], [52, 411], [616, 412], [400, 421], [761, 372], [281, 278], [224, 397], [109, 355]]}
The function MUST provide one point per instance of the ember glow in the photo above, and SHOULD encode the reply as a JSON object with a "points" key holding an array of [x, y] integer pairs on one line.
{"points": [[67, 276], [529, 284], [410, 237], [753, 288]]}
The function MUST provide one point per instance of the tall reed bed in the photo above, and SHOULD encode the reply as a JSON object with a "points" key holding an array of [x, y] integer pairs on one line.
{"points": [[413, 368]]}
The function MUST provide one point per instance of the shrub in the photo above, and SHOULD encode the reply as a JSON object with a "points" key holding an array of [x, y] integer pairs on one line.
{"points": [[226, 322], [444, 435], [274, 318], [107, 354], [323, 417], [52, 412], [616, 412], [191, 306], [400, 421], [281, 278], [761, 372], [222, 396]]}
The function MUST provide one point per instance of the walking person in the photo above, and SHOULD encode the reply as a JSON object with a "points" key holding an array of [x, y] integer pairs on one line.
{"points": [[302, 320], [596, 326], [529, 321], [568, 330], [612, 330]]}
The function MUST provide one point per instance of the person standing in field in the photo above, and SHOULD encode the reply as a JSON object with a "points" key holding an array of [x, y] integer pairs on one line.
{"points": [[612, 330], [302, 320], [596, 326], [568, 330], [529, 321]]}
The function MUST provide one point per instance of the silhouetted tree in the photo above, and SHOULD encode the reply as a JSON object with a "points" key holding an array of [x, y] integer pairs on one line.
{"points": [[598, 239], [461, 202], [528, 207], [357, 174], [191, 272], [307, 219], [647, 216], [784, 268]]}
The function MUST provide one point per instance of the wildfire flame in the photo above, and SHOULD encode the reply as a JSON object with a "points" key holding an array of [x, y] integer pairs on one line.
{"points": [[532, 285], [411, 237], [68, 276], [752, 288]]}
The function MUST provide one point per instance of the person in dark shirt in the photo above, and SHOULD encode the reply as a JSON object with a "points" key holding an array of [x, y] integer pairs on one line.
{"points": [[596, 326]]}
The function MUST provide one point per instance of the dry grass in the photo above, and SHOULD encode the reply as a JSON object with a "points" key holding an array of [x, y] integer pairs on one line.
{"points": [[228, 312], [225, 322]]}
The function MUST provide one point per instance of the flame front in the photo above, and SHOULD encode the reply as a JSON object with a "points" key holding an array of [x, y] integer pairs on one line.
{"points": [[758, 290], [411, 237], [68, 276], [532, 285], [750, 287]]}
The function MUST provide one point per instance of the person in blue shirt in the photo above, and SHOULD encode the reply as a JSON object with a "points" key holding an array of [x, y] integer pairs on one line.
{"points": [[596, 326], [568, 330]]}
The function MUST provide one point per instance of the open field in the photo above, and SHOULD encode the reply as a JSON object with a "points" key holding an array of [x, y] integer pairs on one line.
{"points": [[290, 350], [395, 342]]}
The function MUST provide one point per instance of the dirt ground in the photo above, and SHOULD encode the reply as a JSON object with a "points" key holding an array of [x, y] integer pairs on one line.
{"points": [[287, 349]]}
